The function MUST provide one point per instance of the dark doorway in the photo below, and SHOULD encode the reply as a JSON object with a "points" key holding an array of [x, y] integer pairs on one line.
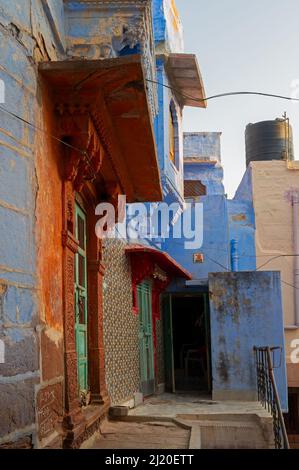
{"points": [[191, 343]]}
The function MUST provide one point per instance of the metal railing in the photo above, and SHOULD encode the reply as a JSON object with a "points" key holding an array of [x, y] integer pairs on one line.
{"points": [[268, 394]]}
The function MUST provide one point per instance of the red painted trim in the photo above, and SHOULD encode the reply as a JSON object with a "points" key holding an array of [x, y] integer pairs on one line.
{"points": [[166, 262]]}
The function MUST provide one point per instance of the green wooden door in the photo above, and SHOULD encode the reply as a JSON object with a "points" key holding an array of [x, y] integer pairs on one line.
{"points": [[147, 375], [168, 343], [81, 316]]}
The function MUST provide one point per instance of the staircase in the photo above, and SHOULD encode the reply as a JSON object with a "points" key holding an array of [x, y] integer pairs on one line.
{"points": [[141, 435], [232, 431]]}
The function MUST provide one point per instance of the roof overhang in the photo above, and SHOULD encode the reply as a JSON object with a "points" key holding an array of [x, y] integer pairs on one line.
{"points": [[116, 90], [200, 161], [166, 262], [185, 78]]}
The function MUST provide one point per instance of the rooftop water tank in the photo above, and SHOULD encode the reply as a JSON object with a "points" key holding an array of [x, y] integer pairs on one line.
{"points": [[269, 140]]}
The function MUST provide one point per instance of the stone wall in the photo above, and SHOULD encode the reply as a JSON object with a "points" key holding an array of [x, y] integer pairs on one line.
{"points": [[30, 31], [120, 325]]}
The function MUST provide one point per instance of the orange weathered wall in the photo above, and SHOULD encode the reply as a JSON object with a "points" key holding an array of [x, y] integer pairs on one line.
{"points": [[49, 271]]}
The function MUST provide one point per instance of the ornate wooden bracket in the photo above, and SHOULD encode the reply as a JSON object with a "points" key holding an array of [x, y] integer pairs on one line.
{"points": [[84, 155]]}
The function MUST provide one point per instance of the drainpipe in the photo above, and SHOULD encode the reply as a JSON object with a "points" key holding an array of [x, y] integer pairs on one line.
{"points": [[235, 257], [295, 205]]}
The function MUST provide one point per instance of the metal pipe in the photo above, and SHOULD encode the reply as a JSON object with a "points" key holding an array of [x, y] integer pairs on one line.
{"points": [[295, 205]]}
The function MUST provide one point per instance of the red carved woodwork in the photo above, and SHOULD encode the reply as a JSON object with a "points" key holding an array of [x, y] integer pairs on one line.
{"points": [[82, 161], [102, 115]]}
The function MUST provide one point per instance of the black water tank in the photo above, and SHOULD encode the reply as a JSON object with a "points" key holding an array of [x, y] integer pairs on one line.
{"points": [[269, 140]]}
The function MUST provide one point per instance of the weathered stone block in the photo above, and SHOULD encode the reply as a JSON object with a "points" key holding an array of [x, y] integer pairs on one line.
{"points": [[52, 354], [17, 405], [23, 443], [21, 351], [18, 305], [118, 411], [49, 408], [13, 179], [15, 229]]}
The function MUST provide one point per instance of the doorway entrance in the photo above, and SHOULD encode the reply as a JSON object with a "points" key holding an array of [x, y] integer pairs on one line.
{"points": [[81, 316], [146, 345], [187, 343]]}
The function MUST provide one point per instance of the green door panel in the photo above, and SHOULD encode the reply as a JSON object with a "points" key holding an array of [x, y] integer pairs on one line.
{"points": [[146, 347], [81, 314]]}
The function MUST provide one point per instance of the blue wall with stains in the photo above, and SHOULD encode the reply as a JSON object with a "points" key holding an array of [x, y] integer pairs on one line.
{"points": [[30, 31], [223, 220], [245, 311]]}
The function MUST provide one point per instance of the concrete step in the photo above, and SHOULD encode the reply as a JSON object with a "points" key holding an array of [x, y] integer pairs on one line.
{"points": [[231, 432], [145, 435]]}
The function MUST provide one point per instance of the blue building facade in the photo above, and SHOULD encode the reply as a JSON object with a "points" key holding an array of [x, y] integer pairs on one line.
{"points": [[223, 267], [109, 80], [225, 223]]}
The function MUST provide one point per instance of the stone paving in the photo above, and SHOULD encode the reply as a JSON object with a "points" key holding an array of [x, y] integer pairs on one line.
{"points": [[175, 405], [188, 421]]}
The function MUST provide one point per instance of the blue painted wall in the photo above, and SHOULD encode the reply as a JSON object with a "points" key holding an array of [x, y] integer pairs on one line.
{"points": [[159, 22], [223, 220], [172, 175], [245, 311], [242, 230], [202, 145], [30, 31], [168, 31], [210, 174], [215, 246]]}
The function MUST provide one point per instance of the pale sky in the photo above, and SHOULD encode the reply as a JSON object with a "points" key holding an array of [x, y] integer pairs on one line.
{"points": [[242, 45]]}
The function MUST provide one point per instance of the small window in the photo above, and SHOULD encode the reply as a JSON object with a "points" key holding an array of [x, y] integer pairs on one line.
{"points": [[194, 189]]}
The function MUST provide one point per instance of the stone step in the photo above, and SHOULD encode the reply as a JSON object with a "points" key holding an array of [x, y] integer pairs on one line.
{"points": [[148, 435]]}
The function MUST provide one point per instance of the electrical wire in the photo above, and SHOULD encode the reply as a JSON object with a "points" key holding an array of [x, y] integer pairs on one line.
{"points": [[57, 139], [228, 270], [199, 100], [274, 258], [222, 95]]}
